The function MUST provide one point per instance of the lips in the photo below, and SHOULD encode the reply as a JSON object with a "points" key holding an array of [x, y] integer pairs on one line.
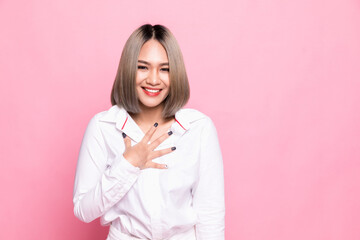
{"points": [[151, 91]]}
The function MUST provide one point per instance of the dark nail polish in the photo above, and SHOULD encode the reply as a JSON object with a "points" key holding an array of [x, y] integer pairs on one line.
{"points": [[156, 124], [166, 166], [124, 135], [173, 148], [170, 133]]}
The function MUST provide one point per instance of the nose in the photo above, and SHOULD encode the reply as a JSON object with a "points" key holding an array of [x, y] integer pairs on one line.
{"points": [[153, 78]]}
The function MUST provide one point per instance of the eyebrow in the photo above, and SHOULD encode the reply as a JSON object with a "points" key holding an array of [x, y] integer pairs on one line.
{"points": [[147, 63]]}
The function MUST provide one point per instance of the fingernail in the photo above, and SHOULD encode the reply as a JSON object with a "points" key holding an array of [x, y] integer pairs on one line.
{"points": [[173, 148], [166, 166], [124, 135], [156, 124], [170, 133]]}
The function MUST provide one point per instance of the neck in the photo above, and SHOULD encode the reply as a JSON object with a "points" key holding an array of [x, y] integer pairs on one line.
{"points": [[148, 116]]}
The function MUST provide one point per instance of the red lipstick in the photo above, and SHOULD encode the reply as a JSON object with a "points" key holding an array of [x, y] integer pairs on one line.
{"points": [[153, 92]]}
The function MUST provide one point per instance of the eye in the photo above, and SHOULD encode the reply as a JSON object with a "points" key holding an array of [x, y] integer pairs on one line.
{"points": [[142, 67], [165, 69]]}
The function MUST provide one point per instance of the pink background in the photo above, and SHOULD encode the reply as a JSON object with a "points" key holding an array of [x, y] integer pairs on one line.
{"points": [[280, 79]]}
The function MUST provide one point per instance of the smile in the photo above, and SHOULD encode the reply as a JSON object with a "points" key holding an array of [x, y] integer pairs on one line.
{"points": [[151, 92]]}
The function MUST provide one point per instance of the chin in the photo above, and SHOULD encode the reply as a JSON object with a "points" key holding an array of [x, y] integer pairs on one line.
{"points": [[147, 102], [150, 104]]}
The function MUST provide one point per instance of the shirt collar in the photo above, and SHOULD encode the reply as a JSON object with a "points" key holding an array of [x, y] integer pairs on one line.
{"points": [[124, 122]]}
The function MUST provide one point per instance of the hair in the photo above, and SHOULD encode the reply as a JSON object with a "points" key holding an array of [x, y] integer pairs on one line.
{"points": [[123, 92]]}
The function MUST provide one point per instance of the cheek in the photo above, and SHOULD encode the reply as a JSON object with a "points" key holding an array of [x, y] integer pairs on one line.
{"points": [[139, 77], [166, 80]]}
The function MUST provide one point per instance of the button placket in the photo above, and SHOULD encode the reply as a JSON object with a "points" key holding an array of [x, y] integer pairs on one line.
{"points": [[156, 222]]}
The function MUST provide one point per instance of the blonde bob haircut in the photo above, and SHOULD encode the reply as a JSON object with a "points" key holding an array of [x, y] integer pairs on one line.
{"points": [[123, 91]]}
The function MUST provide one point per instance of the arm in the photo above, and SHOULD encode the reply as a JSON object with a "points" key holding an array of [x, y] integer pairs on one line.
{"points": [[98, 187], [208, 195]]}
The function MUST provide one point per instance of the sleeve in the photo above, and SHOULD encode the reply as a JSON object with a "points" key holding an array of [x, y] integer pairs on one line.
{"points": [[99, 186], [208, 194]]}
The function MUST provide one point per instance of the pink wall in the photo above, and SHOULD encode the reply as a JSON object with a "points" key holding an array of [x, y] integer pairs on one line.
{"points": [[280, 79]]}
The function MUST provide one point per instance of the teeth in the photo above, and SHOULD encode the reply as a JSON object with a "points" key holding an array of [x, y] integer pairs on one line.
{"points": [[153, 91]]}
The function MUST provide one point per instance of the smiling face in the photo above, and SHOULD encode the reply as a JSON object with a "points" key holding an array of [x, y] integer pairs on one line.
{"points": [[152, 76]]}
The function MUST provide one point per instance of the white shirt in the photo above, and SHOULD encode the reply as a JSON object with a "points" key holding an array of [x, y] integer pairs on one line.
{"points": [[152, 203]]}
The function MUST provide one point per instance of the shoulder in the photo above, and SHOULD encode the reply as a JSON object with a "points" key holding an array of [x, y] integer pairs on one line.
{"points": [[190, 114], [193, 118], [112, 114], [109, 115]]}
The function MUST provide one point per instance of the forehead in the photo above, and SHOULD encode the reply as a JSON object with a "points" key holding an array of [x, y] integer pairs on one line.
{"points": [[153, 51]]}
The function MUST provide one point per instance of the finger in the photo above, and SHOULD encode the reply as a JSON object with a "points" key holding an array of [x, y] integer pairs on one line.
{"points": [[160, 139], [149, 133], [152, 164], [127, 141], [159, 153]]}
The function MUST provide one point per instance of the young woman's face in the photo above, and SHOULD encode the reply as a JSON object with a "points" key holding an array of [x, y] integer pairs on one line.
{"points": [[152, 76]]}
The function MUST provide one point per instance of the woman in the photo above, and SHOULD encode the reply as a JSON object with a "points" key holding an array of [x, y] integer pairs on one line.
{"points": [[148, 167]]}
